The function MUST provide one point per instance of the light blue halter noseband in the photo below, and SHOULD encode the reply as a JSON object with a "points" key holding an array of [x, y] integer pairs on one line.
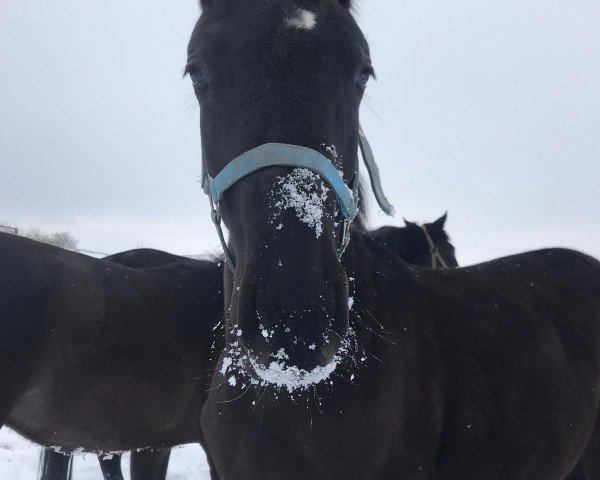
{"points": [[283, 155]]}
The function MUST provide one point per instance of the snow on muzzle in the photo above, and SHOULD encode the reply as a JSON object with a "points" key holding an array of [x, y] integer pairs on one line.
{"points": [[292, 319]]}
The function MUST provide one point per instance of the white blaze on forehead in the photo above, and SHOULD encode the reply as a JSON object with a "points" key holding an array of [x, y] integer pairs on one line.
{"points": [[302, 19]]}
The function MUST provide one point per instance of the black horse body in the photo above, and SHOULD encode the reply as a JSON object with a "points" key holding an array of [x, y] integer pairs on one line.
{"points": [[464, 379], [365, 367], [103, 357]]}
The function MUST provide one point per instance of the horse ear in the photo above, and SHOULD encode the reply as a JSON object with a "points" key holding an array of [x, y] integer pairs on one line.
{"points": [[346, 3], [407, 223], [440, 222], [205, 3]]}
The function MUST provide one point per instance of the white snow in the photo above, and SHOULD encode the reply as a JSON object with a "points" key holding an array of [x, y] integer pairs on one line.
{"points": [[302, 19], [291, 377], [304, 191], [331, 150], [226, 363], [336, 159], [281, 355], [279, 374], [19, 460]]}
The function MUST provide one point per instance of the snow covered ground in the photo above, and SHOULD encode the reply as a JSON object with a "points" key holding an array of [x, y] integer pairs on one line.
{"points": [[19, 460]]}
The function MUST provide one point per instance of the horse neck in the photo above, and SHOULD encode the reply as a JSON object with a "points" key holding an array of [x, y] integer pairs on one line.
{"points": [[197, 286], [376, 271], [382, 287]]}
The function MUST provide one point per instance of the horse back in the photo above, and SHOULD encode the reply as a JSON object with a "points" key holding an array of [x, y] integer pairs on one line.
{"points": [[520, 341], [106, 335]]}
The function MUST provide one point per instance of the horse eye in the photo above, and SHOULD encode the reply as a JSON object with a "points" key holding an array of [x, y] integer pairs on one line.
{"points": [[198, 78], [363, 77]]}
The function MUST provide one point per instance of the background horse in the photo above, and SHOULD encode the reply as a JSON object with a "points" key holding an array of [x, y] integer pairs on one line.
{"points": [[99, 356], [408, 242], [359, 365], [148, 463], [427, 245]]}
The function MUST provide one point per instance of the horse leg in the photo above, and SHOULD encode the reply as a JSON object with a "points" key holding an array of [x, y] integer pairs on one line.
{"points": [[111, 466], [56, 465], [150, 464], [212, 468]]}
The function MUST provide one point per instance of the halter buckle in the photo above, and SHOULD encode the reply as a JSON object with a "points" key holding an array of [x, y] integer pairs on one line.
{"points": [[215, 216], [216, 219]]}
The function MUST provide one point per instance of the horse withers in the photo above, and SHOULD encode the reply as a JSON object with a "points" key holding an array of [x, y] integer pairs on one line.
{"points": [[341, 361]]}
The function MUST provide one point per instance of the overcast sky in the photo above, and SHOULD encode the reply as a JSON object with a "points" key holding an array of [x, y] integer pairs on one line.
{"points": [[488, 109]]}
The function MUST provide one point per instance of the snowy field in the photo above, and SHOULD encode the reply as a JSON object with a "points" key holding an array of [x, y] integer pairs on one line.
{"points": [[19, 460]]}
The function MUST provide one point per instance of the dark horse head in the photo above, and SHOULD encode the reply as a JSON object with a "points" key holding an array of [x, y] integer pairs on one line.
{"points": [[427, 245], [289, 72]]}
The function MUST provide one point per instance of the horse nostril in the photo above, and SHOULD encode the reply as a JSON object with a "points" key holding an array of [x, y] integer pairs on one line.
{"points": [[304, 333], [292, 321]]}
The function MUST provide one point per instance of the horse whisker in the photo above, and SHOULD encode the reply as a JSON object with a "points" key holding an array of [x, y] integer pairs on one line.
{"points": [[236, 398], [366, 310], [317, 399]]}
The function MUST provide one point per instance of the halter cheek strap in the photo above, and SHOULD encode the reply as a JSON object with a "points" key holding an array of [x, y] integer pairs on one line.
{"points": [[284, 155], [436, 256]]}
